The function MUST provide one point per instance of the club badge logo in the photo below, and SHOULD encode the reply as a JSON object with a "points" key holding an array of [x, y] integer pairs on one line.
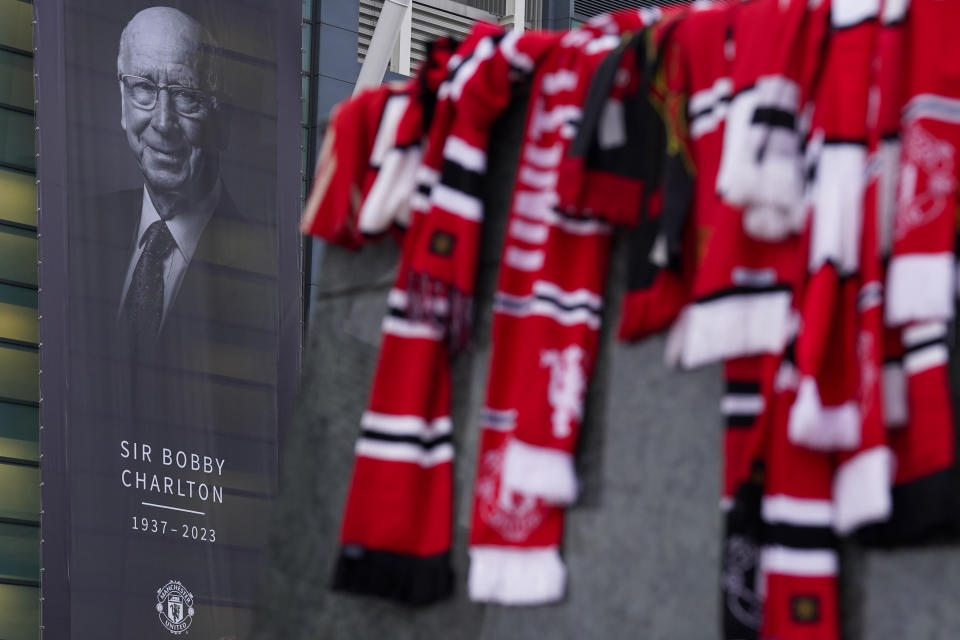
{"points": [[442, 243], [805, 609], [739, 577], [175, 607], [513, 515], [926, 179]]}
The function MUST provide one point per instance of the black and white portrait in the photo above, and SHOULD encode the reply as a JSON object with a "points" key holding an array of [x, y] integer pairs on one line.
{"points": [[182, 254], [169, 80], [181, 299]]}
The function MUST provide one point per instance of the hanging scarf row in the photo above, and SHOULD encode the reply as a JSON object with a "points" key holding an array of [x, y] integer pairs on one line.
{"points": [[787, 173]]}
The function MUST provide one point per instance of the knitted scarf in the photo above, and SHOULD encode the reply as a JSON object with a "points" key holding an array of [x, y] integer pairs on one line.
{"points": [[917, 388], [395, 536], [547, 311], [345, 168]]}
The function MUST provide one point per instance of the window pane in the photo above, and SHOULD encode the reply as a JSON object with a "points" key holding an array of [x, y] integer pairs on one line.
{"points": [[18, 314], [305, 98], [19, 422], [16, 28], [19, 375], [20, 497], [19, 552], [18, 197], [18, 255], [19, 612], [16, 138], [306, 32], [308, 9], [16, 80], [19, 431]]}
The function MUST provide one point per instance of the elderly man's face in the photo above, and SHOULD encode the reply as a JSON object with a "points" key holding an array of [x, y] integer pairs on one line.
{"points": [[175, 151]]}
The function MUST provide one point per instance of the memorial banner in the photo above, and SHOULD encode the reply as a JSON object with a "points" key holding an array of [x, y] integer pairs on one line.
{"points": [[169, 188]]}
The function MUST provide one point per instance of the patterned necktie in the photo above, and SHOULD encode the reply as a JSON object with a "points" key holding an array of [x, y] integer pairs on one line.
{"points": [[143, 306]]}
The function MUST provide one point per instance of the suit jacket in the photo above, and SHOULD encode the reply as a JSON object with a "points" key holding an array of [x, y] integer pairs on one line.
{"points": [[215, 358]]}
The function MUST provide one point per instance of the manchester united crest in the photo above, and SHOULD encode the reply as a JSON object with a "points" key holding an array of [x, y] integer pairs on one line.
{"points": [[513, 515], [926, 179], [175, 607]]}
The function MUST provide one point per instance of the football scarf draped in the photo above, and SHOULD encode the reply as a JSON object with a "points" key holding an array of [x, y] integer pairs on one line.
{"points": [[917, 387], [395, 537], [344, 173], [547, 310], [787, 173]]}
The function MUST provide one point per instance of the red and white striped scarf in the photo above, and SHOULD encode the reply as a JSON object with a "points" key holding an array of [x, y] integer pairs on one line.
{"points": [[395, 536], [547, 315]]}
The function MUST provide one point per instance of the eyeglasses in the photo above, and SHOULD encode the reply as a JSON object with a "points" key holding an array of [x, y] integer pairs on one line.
{"points": [[188, 102]]}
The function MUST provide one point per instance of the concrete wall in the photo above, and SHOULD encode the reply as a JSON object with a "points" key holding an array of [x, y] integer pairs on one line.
{"points": [[642, 546]]}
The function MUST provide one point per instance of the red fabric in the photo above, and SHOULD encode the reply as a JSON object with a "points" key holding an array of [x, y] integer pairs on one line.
{"points": [[738, 294], [396, 534], [695, 60], [924, 223], [481, 92], [799, 560], [545, 329], [745, 441], [736, 282], [606, 195], [343, 174], [926, 446], [387, 204], [504, 518], [788, 596], [378, 514], [832, 334], [764, 79], [652, 309]]}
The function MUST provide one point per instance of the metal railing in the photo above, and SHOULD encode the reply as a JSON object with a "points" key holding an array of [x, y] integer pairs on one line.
{"points": [[496, 7]]}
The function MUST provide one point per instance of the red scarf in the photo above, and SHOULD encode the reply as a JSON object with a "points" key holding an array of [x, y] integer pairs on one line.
{"points": [[345, 172], [548, 300], [396, 535], [917, 390]]}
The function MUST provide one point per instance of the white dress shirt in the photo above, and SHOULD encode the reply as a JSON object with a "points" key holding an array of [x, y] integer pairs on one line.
{"points": [[185, 226]]}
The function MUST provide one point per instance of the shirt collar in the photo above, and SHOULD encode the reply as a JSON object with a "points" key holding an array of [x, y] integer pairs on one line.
{"points": [[186, 226]]}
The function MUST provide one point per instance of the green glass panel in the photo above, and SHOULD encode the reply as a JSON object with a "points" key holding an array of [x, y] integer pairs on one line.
{"points": [[305, 99], [19, 612], [308, 9], [18, 196], [19, 431], [19, 374], [18, 255], [20, 497], [16, 138], [16, 80], [19, 450], [16, 27], [19, 422], [19, 552], [18, 314]]}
